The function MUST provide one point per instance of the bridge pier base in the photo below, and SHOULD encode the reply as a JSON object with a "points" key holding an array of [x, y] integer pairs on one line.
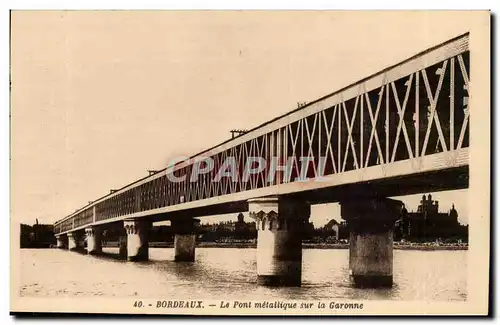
{"points": [[184, 246], [279, 240], [184, 240], [371, 223], [137, 239], [122, 244], [73, 241], [60, 241], [94, 243]]}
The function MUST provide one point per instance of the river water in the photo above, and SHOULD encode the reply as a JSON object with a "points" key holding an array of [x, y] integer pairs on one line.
{"points": [[231, 273]]}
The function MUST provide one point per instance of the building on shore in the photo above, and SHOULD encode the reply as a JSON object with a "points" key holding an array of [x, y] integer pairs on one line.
{"points": [[428, 224], [332, 228], [424, 225], [37, 236], [228, 230]]}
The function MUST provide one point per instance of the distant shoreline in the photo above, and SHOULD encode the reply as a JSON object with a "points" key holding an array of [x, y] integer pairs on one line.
{"points": [[411, 246], [337, 246]]}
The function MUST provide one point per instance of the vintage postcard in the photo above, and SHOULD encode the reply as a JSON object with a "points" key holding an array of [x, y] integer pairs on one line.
{"points": [[250, 162]]}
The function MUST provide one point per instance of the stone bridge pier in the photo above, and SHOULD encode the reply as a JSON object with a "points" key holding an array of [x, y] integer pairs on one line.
{"points": [[61, 241], [74, 241], [280, 224], [371, 223], [185, 239], [137, 239], [94, 240]]}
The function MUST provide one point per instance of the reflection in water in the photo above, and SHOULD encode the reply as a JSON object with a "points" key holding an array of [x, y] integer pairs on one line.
{"points": [[230, 273], [106, 255]]}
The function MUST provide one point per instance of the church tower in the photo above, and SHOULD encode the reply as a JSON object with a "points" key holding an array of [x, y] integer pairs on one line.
{"points": [[453, 214]]}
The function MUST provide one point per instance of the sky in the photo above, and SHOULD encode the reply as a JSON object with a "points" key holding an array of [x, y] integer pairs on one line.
{"points": [[100, 97]]}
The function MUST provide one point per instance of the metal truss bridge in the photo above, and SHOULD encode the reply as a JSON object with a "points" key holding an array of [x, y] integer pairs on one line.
{"points": [[402, 130]]}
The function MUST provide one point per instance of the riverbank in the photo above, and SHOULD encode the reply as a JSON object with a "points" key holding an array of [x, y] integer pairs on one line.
{"points": [[406, 246]]}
